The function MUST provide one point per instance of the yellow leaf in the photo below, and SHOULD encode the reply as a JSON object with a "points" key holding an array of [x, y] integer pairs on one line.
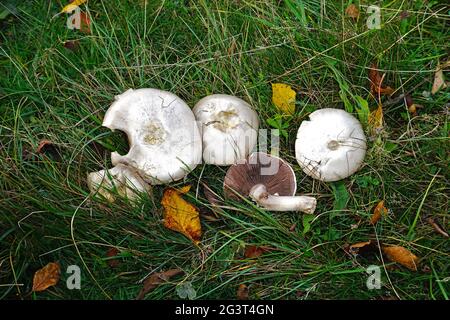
{"points": [[375, 119], [72, 6], [380, 210], [439, 82], [180, 215], [283, 97], [403, 256], [46, 277]]}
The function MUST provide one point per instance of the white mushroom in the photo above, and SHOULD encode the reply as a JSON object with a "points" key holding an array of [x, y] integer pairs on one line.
{"points": [[229, 128], [331, 146], [125, 180], [165, 143], [269, 181]]}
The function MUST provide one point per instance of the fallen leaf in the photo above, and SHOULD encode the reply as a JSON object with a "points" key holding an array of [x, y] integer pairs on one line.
{"points": [[362, 248], [112, 252], [401, 255], [180, 215], [48, 148], [43, 146], [437, 227], [46, 277], [439, 81], [72, 6], [85, 23], [72, 45], [155, 280], [375, 120], [379, 211], [376, 80], [242, 292], [254, 251], [283, 97], [352, 11]]}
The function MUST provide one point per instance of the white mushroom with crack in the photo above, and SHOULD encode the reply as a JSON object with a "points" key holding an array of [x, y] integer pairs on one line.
{"points": [[331, 145], [269, 181], [229, 128], [165, 143]]}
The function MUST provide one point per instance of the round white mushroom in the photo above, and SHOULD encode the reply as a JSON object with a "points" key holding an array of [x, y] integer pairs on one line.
{"points": [[229, 128], [165, 143], [331, 145]]}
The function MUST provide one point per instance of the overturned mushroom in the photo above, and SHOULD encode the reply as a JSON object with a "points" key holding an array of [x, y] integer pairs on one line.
{"points": [[269, 181], [228, 126], [331, 145], [165, 143]]}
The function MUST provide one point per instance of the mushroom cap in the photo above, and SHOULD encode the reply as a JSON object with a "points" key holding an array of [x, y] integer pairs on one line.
{"points": [[331, 145], [229, 128], [165, 142], [260, 168]]}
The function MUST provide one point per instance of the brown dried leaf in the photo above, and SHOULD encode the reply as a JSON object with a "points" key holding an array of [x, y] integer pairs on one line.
{"points": [[379, 211], [255, 251], [352, 11], [362, 248], [155, 280], [376, 82], [85, 23], [113, 252], [46, 277], [180, 215], [72, 45], [401, 255], [242, 292]]}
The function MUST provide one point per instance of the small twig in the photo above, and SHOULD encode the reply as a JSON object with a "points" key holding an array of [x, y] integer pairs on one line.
{"points": [[437, 227]]}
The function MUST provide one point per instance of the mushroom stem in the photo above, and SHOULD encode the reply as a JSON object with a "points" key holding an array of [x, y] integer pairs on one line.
{"points": [[282, 203]]}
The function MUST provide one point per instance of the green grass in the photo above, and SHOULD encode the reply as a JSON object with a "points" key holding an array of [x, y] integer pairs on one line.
{"points": [[196, 48]]}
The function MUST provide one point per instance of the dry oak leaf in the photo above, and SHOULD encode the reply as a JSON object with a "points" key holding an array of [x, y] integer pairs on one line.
{"points": [[379, 211], [401, 255], [352, 11], [155, 280], [242, 292], [180, 215], [46, 277], [376, 82], [283, 97]]}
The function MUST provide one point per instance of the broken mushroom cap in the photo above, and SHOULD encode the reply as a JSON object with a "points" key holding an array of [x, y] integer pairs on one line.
{"points": [[269, 181], [331, 145], [228, 126], [124, 179], [165, 143]]}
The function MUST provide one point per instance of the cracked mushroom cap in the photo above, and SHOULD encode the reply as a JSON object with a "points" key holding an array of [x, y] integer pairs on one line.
{"points": [[260, 168], [331, 145], [228, 126], [165, 143]]}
